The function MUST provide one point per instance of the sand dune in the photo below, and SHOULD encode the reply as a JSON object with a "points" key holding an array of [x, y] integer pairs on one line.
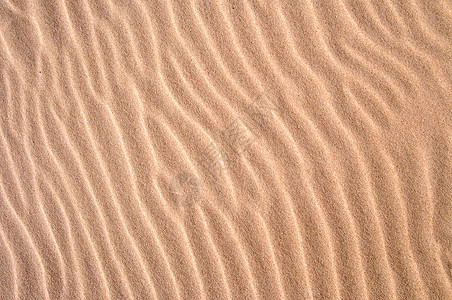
{"points": [[226, 149]]}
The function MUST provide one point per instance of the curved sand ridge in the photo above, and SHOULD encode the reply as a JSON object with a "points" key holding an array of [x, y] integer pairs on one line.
{"points": [[226, 149]]}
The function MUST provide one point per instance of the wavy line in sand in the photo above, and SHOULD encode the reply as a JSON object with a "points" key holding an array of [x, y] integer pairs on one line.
{"points": [[344, 193]]}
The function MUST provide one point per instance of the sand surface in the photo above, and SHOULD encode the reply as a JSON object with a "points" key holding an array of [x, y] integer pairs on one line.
{"points": [[222, 149]]}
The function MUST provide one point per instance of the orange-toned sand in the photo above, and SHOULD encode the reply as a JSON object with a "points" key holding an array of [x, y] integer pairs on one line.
{"points": [[249, 149]]}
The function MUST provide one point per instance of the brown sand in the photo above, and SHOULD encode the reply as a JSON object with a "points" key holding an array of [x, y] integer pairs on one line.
{"points": [[247, 149]]}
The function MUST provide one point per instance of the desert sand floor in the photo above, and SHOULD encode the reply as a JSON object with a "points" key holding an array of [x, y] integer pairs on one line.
{"points": [[242, 149]]}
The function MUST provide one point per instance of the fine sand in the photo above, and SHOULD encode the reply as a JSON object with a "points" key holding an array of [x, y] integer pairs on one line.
{"points": [[249, 149]]}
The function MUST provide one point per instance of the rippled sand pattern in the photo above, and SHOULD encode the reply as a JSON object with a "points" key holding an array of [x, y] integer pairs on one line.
{"points": [[245, 149]]}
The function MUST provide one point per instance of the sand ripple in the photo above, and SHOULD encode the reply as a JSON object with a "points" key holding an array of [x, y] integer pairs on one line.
{"points": [[225, 149]]}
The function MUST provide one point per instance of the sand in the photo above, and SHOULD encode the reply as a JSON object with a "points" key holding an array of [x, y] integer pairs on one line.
{"points": [[247, 149]]}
